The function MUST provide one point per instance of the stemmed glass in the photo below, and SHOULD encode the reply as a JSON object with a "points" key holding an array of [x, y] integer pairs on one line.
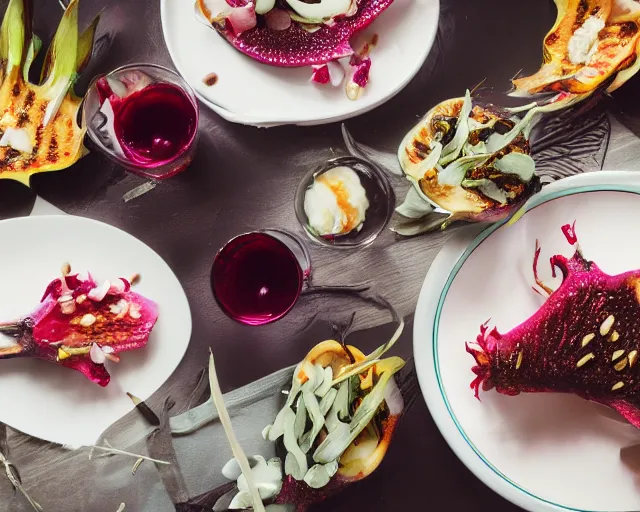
{"points": [[258, 277], [145, 118]]}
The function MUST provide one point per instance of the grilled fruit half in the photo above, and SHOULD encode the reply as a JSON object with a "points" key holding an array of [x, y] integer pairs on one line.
{"points": [[39, 122], [471, 161], [591, 41]]}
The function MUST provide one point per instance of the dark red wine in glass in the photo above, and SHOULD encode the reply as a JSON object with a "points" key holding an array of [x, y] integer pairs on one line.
{"points": [[145, 117], [153, 125], [257, 278]]}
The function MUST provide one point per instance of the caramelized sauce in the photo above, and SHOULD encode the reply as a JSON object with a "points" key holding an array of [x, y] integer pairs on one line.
{"points": [[342, 198]]}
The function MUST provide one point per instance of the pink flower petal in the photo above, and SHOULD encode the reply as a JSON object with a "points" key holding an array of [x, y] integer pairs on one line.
{"points": [[242, 19], [320, 74], [97, 355], [100, 292]]}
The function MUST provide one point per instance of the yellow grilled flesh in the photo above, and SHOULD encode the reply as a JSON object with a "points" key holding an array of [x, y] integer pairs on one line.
{"points": [[55, 146]]}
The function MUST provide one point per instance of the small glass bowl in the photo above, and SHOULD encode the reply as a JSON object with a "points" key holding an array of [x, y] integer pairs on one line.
{"points": [[379, 193], [100, 129]]}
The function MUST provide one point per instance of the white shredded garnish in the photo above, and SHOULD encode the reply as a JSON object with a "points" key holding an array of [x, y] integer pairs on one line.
{"points": [[238, 453], [584, 42], [96, 354], [98, 293], [18, 139]]}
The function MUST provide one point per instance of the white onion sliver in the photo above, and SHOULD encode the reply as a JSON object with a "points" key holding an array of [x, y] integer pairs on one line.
{"points": [[99, 292], [97, 355]]}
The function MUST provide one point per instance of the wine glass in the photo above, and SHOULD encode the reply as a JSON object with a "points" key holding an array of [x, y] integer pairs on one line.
{"points": [[258, 277], [145, 118]]}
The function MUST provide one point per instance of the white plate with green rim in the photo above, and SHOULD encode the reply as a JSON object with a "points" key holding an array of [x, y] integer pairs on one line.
{"points": [[542, 451]]}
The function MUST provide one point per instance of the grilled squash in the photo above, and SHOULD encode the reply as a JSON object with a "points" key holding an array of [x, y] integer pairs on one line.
{"points": [[583, 49], [39, 128]]}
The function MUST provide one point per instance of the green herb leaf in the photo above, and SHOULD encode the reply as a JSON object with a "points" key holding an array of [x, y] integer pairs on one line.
{"points": [[299, 469], [327, 380], [452, 150], [317, 419], [488, 188], [327, 401], [301, 418], [414, 206], [454, 173], [317, 477], [415, 227], [338, 440], [340, 408], [357, 368], [498, 142], [518, 164], [62, 57]]}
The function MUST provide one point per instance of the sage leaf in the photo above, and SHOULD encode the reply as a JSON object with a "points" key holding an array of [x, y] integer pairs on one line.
{"points": [[518, 164], [414, 207]]}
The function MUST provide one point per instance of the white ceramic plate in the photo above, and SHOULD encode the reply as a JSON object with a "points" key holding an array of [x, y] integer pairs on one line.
{"points": [[59, 404], [249, 92], [543, 452]]}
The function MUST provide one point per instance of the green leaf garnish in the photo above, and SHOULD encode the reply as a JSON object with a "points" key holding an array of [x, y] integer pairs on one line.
{"points": [[428, 163], [339, 439], [518, 164], [452, 150], [414, 206], [62, 57], [454, 173], [488, 188]]}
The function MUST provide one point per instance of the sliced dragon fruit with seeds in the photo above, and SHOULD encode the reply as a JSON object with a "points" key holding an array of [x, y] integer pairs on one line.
{"points": [[299, 45], [79, 324], [584, 340]]}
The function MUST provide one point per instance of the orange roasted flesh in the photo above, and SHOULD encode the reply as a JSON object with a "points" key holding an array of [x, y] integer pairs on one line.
{"points": [[613, 50], [39, 122]]}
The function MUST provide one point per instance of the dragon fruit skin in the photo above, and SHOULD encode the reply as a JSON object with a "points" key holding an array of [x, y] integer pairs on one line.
{"points": [[584, 340], [74, 316], [296, 47]]}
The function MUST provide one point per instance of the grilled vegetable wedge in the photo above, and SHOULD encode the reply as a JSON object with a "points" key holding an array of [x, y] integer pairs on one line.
{"points": [[39, 127], [591, 42]]}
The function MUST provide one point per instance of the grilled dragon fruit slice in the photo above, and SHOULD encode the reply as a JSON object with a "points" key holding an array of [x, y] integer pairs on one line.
{"points": [[301, 44], [79, 324], [583, 340]]}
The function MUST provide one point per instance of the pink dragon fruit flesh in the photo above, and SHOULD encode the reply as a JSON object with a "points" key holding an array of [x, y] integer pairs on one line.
{"points": [[584, 340], [80, 324], [299, 44]]}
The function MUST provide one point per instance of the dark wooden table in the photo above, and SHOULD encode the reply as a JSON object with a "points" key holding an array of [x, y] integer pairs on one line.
{"points": [[244, 178]]}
